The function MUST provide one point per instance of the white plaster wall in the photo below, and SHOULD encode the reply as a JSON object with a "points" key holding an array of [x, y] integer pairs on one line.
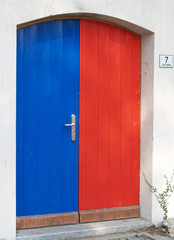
{"points": [[7, 123], [146, 136], [157, 114], [163, 150]]}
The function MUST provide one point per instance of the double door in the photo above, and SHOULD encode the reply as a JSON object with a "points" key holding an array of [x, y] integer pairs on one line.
{"points": [[78, 117]]}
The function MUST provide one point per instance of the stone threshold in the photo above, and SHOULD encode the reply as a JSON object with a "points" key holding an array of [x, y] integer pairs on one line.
{"points": [[82, 230]]}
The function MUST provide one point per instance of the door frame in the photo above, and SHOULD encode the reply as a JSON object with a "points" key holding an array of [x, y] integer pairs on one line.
{"points": [[127, 27]]}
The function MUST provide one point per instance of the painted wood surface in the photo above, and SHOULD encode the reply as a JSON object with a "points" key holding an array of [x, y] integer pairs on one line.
{"points": [[47, 95], [109, 122]]}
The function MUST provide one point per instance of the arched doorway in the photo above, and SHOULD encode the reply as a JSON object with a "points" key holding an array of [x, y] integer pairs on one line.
{"points": [[94, 170]]}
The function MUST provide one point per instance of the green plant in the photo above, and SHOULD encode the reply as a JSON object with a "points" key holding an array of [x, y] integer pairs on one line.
{"points": [[163, 198]]}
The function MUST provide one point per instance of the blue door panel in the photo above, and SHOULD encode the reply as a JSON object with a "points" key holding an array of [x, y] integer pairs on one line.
{"points": [[47, 95]]}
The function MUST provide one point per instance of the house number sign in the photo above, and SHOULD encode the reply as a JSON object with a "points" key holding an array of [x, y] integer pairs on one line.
{"points": [[166, 61]]}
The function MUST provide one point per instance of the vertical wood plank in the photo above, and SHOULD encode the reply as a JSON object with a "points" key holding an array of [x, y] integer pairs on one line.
{"points": [[126, 115], [70, 70], [43, 118], [136, 118], [82, 115], [76, 110], [88, 91], [19, 123], [103, 109], [55, 66], [115, 117], [29, 119]]}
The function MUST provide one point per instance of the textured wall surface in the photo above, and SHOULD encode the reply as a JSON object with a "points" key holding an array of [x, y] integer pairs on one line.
{"points": [[154, 21]]}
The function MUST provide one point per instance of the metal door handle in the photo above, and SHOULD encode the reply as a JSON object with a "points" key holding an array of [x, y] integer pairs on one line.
{"points": [[69, 124], [73, 127]]}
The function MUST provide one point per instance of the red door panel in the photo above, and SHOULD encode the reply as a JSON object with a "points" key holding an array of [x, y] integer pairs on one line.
{"points": [[109, 119]]}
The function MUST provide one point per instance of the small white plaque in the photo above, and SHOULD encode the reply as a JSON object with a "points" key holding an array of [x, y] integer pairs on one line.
{"points": [[166, 61]]}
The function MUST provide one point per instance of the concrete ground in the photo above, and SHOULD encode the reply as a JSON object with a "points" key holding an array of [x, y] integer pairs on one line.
{"points": [[141, 234], [129, 229]]}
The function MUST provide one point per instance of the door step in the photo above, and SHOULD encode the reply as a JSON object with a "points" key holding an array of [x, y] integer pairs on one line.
{"points": [[82, 230]]}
